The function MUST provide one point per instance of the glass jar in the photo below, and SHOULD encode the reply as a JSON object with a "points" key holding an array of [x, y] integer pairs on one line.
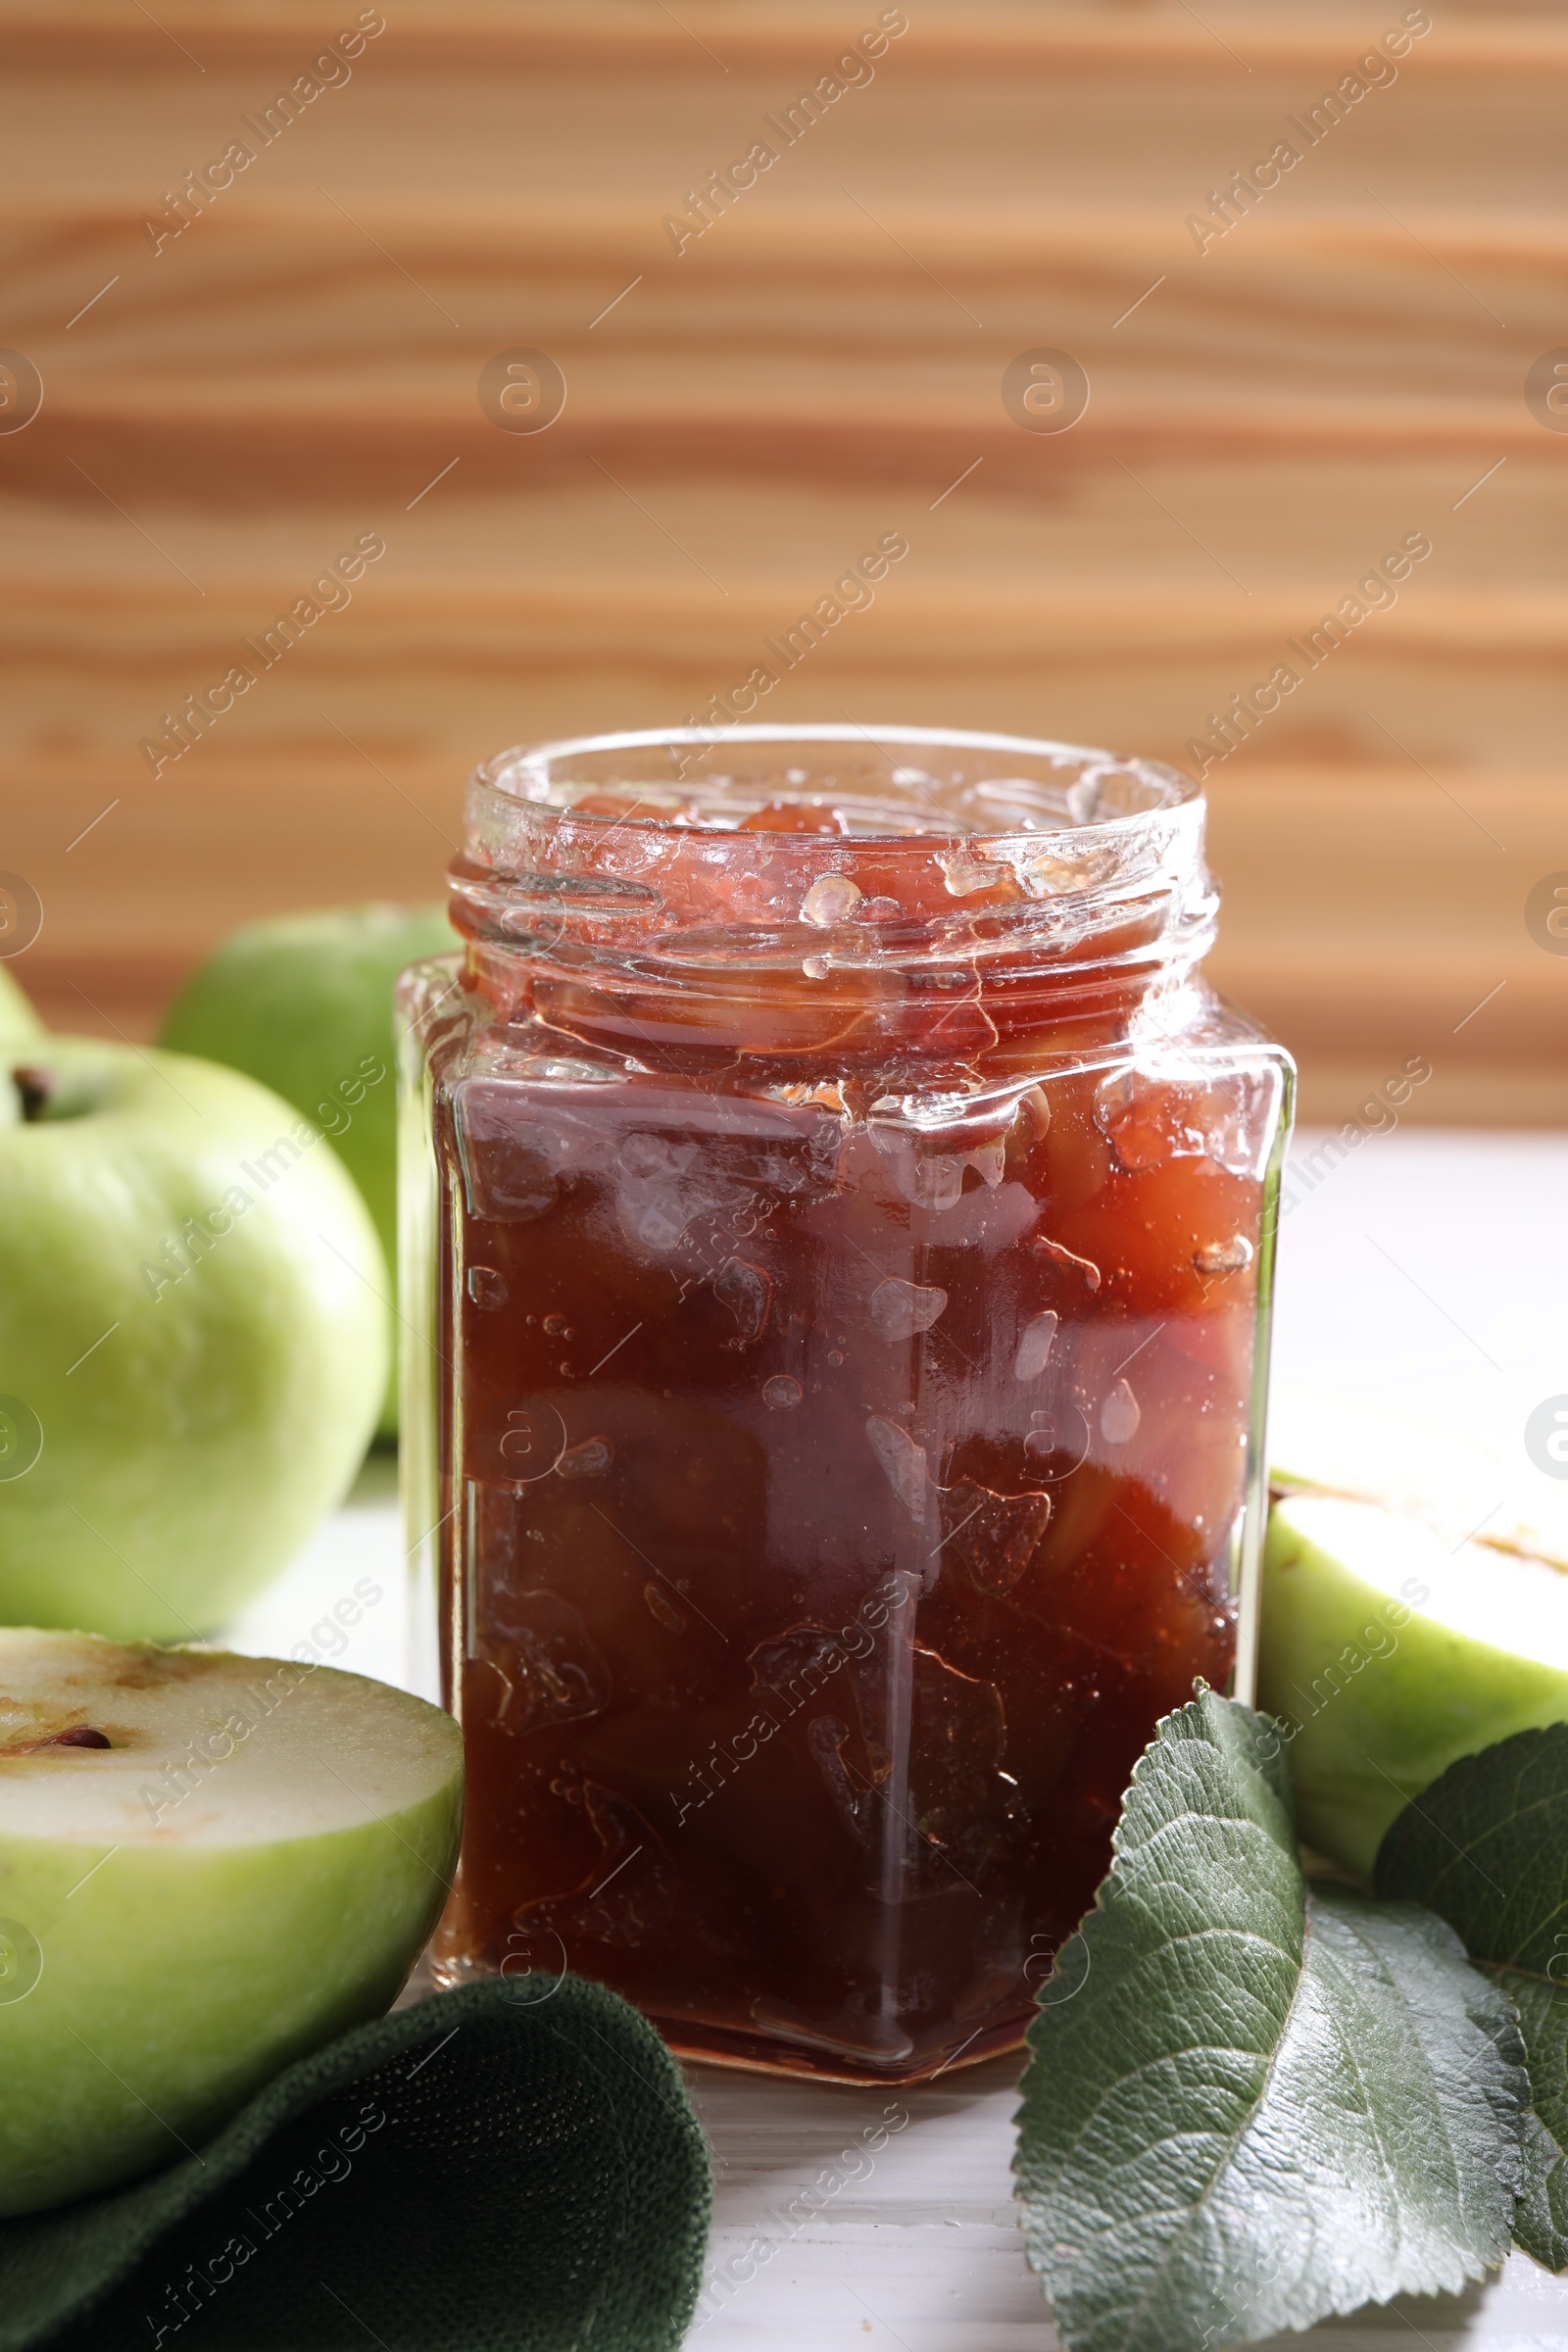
{"points": [[842, 1219]]}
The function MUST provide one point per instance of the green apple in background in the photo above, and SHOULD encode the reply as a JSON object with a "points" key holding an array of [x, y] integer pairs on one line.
{"points": [[1388, 1654], [193, 1338], [304, 1003], [209, 1867], [18, 1020]]}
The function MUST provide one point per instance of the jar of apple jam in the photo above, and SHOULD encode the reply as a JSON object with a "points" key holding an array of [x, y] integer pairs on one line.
{"points": [[840, 1217]]}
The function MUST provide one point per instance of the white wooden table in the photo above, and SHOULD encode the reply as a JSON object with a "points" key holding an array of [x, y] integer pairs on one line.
{"points": [[1426, 1269]]}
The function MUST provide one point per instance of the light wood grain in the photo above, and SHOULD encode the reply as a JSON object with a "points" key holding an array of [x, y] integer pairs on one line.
{"points": [[300, 365]]}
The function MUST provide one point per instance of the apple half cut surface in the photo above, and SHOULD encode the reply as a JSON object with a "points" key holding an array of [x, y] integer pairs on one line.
{"points": [[210, 1866], [1452, 1474], [1388, 1652]]}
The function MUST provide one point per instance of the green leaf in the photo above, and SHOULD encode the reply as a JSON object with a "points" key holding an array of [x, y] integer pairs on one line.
{"points": [[1248, 2106], [1487, 1846]]}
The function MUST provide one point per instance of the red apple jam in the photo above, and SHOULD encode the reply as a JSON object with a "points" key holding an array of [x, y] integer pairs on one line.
{"points": [[840, 1217]]}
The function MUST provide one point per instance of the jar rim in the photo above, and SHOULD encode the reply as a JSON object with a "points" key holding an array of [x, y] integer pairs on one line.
{"points": [[1094, 790]]}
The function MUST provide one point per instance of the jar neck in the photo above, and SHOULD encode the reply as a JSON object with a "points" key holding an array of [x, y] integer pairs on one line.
{"points": [[685, 940]]}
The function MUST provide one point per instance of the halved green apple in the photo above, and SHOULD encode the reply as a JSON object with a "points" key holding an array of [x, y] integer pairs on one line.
{"points": [[1387, 1651], [210, 1866], [1452, 1474]]}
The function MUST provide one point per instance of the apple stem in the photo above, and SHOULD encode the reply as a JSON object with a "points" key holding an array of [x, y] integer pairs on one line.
{"points": [[36, 1088]]}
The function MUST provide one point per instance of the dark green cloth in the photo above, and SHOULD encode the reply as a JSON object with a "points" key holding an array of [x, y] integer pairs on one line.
{"points": [[536, 2182]]}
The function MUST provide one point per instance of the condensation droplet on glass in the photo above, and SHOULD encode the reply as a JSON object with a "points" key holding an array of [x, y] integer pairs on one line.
{"points": [[590, 1459], [556, 1325], [663, 1608], [1060, 1256], [1034, 1346], [1119, 1415], [937, 1183], [745, 1289], [817, 968], [830, 900], [902, 1461], [900, 1310], [486, 1288], [781, 1393], [834, 1357], [988, 1162], [964, 875], [553, 1670], [1224, 1257], [566, 1372], [996, 1535]]}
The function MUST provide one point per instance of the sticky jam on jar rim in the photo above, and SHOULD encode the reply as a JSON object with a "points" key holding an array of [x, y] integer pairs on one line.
{"points": [[850, 1337]]}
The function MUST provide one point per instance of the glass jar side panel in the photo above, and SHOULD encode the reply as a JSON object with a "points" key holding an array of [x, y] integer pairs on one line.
{"points": [[422, 1015], [1252, 1525], [834, 1505]]}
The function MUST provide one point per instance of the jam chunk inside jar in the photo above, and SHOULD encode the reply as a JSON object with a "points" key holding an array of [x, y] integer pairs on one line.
{"points": [[838, 1228]]}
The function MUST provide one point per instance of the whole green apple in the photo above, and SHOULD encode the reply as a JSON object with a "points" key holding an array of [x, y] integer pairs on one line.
{"points": [[1388, 1654], [209, 1867], [193, 1339], [304, 1004]]}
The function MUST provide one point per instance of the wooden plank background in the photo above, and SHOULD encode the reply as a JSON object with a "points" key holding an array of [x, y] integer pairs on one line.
{"points": [[300, 365]]}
